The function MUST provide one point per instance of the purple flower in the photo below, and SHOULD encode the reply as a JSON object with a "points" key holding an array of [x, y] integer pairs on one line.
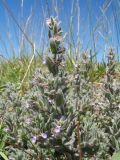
{"points": [[34, 138], [57, 129], [44, 135], [28, 121], [77, 76], [48, 22], [51, 101], [44, 61], [6, 129], [85, 61]]}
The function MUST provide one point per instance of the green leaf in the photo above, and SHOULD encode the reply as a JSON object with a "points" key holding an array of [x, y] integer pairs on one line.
{"points": [[59, 98], [116, 156], [3, 156]]}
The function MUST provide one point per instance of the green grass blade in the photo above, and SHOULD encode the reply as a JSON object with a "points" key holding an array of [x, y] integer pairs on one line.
{"points": [[116, 156], [3, 156]]}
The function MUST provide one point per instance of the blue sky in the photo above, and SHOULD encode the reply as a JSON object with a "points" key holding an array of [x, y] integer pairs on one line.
{"points": [[95, 24]]}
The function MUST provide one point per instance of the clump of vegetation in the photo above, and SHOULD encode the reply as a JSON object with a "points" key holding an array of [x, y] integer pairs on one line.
{"points": [[63, 115]]}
